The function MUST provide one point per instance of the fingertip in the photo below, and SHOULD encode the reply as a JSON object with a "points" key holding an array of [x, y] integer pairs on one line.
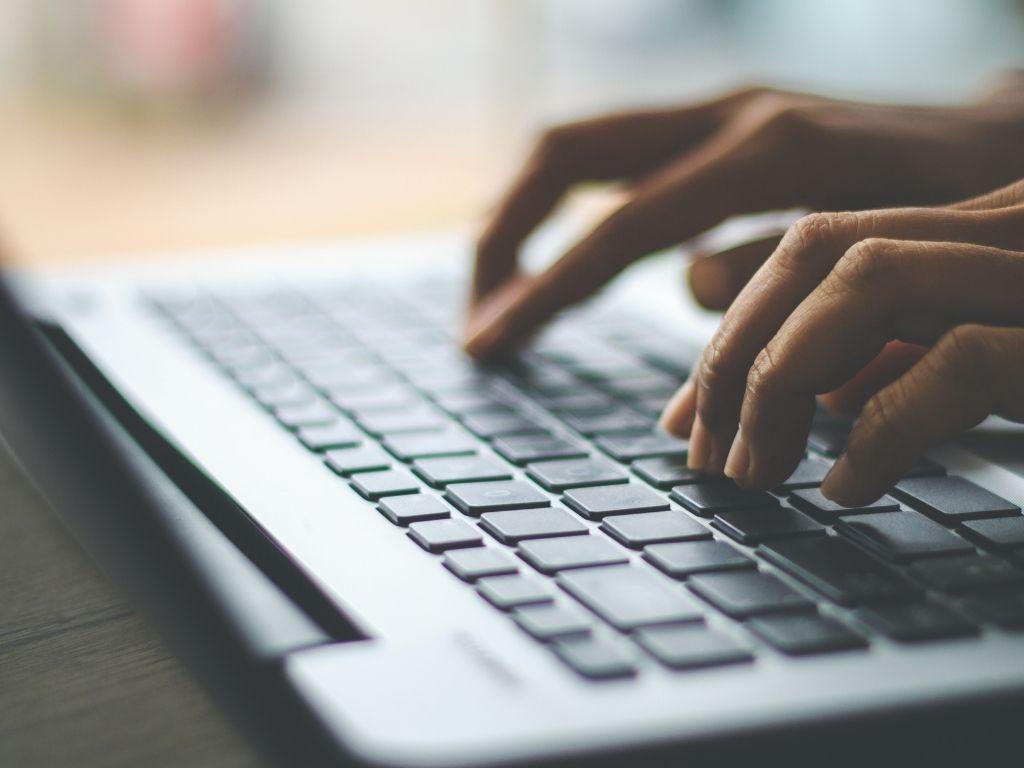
{"points": [[711, 284], [848, 489], [677, 416]]}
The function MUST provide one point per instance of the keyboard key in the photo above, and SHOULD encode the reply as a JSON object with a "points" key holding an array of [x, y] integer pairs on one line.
{"points": [[477, 498], [708, 499], [523, 449], [628, 597], [998, 532], [600, 501], [812, 501], [377, 485], [916, 622], [682, 559], [809, 473], [691, 647], [442, 535], [828, 438], [402, 510], [595, 658], [429, 444], [953, 498], [349, 461], [369, 400], [551, 620], [440, 472], [626, 448], [838, 570], [961, 574], [667, 472], [490, 425], [399, 422], [462, 403], [754, 526], [747, 593], [802, 635], [513, 526], [1004, 608], [477, 562], [924, 468], [610, 422], [320, 437], [507, 592], [281, 394], [637, 531], [305, 414], [557, 554], [579, 402], [563, 474], [902, 536]]}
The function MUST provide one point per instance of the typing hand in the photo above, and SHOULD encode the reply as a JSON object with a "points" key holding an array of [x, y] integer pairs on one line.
{"points": [[689, 168], [821, 314]]}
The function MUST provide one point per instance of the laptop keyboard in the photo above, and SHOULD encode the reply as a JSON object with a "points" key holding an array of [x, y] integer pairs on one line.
{"points": [[544, 485]]}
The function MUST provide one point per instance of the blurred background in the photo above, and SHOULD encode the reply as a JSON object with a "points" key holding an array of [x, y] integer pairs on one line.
{"points": [[130, 126]]}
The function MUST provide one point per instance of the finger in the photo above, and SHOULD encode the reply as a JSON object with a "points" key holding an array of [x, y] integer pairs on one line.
{"points": [[805, 256], [738, 171], [607, 148], [716, 279], [879, 290], [1004, 197], [895, 359], [973, 371]]}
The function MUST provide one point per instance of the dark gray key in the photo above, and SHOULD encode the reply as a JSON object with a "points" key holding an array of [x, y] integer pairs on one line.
{"points": [[810, 500], [553, 555], [626, 448], [614, 421], [747, 593], [490, 425], [708, 499], [692, 647], [513, 526], [478, 562], [600, 501], [507, 592], [809, 473], [339, 434], [595, 658], [440, 472], [637, 531], [802, 635], [754, 526], [477, 498], [402, 510], [962, 574], [579, 402], [828, 438], [916, 622], [998, 532], [628, 597], [953, 498], [399, 422], [646, 386], [838, 570], [924, 468], [391, 482], [306, 414], [442, 535], [681, 559], [349, 461], [523, 449], [667, 472], [429, 444], [563, 474], [1004, 607], [552, 620], [902, 536]]}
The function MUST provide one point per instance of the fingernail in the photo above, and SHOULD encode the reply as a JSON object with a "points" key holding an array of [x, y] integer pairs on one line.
{"points": [[700, 445], [739, 457], [835, 485], [677, 417]]}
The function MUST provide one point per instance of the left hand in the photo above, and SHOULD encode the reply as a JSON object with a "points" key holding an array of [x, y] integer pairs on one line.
{"points": [[821, 315]]}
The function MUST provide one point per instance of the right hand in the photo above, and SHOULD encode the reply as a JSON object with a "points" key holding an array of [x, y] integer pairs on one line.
{"points": [[691, 167]]}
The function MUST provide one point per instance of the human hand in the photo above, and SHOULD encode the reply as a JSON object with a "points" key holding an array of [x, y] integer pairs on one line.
{"points": [[688, 169], [821, 314]]}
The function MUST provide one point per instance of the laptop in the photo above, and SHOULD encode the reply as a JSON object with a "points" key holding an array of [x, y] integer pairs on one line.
{"points": [[375, 552]]}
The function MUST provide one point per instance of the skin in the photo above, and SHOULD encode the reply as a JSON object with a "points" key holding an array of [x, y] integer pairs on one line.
{"points": [[903, 307]]}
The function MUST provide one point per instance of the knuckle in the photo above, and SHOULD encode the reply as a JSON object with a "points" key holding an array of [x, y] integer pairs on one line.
{"points": [[762, 378], [868, 264], [967, 348], [554, 144], [810, 235]]}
